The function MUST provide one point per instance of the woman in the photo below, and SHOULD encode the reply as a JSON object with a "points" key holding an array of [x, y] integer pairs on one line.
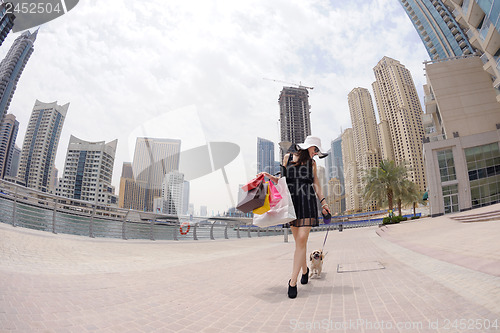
{"points": [[302, 179]]}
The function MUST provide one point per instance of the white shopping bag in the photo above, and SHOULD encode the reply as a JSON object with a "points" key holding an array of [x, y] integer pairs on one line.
{"points": [[282, 213]]}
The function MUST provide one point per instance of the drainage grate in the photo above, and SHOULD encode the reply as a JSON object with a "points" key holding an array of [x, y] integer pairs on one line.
{"points": [[359, 267]]}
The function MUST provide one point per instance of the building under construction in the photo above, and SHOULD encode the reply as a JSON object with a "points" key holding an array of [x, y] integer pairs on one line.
{"points": [[295, 121]]}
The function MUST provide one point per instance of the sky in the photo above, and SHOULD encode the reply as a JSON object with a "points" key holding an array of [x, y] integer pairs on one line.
{"points": [[194, 70]]}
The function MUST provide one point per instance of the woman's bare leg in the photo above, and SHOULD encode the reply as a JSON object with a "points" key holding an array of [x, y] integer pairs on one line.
{"points": [[300, 234]]}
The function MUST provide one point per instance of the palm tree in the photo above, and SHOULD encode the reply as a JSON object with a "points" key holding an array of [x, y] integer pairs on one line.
{"points": [[408, 193], [382, 182]]}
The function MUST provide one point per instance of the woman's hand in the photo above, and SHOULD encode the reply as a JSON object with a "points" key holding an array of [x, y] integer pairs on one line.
{"points": [[271, 177], [326, 210]]}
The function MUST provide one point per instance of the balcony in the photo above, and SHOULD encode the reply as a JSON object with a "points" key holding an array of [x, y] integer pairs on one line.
{"points": [[429, 98], [474, 15], [492, 40]]}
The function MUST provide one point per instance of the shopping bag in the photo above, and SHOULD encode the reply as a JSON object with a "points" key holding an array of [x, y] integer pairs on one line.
{"points": [[253, 183], [282, 213], [254, 198], [274, 195], [265, 207]]}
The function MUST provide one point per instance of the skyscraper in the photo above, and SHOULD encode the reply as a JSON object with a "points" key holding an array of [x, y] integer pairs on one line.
{"points": [[365, 138], [16, 155], [338, 173], [8, 134], [88, 171], [295, 122], [40, 144], [352, 190], [12, 67], [442, 35], [185, 197], [153, 159], [265, 156], [399, 106], [172, 191], [6, 22]]}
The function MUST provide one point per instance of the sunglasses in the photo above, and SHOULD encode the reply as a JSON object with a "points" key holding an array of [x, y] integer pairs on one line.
{"points": [[316, 150]]}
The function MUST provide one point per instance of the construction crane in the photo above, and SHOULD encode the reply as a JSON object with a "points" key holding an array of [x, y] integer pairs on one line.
{"points": [[295, 84]]}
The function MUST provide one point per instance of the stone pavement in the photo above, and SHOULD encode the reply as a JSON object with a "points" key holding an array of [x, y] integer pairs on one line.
{"points": [[63, 283]]}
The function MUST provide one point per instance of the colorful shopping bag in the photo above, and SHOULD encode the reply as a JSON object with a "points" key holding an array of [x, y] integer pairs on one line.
{"points": [[274, 195], [282, 213], [253, 183], [266, 206], [254, 198]]}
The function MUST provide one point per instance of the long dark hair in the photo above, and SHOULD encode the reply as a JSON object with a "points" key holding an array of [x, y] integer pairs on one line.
{"points": [[303, 157]]}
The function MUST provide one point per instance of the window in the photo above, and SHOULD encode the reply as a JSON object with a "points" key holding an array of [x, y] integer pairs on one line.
{"points": [[483, 165], [446, 165]]}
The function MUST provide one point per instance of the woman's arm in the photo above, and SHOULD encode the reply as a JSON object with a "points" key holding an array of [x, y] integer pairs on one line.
{"points": [[319, 192], [274, 178]]}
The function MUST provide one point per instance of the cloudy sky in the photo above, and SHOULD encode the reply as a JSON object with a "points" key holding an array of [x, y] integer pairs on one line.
{"points": [[193, 70]]}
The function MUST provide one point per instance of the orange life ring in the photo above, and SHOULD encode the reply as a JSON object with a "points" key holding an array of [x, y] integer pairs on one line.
{"points": [[182, 231]]}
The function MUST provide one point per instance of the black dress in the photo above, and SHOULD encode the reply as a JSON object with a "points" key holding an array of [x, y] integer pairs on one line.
{"points": [[300, 180]]}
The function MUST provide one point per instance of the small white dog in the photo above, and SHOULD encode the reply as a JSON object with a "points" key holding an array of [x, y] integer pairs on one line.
{"points": [[316, 263]]}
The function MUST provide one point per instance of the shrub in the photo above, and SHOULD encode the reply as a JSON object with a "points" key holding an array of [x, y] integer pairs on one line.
{"points": [[393, 220], [414, 217]]}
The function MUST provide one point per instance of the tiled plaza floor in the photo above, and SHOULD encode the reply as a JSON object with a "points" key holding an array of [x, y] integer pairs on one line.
{"points": [[439, 275]]}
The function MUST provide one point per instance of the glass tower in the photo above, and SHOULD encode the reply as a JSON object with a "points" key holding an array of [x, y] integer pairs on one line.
{"points": [[442, 36], [12, 67], [265, 156]]}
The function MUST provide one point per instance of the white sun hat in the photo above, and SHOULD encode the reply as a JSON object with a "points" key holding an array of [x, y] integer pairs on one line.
{"points": [[313, 141]]}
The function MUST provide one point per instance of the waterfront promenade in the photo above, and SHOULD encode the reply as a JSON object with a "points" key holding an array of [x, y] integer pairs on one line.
{"points": [[431, 275]]}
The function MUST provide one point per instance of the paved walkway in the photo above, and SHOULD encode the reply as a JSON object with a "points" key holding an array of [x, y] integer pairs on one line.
{"points": [[63, 283]]}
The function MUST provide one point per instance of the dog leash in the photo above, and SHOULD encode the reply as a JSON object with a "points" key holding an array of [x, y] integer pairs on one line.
{"points": [[326, 236]]}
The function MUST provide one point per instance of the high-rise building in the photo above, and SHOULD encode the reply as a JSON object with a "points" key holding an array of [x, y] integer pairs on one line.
{"points": [[364, 131], [442, 35], [40, 144], [88, 171], [451, 28], [16, 155], [295, 122], [6, 21], [172, 190], [462, 131], [352, 187], [185, 197], [398, 105], [265, 156], [335, 196], [338, 170], [8, 134], [12, 67], [153, 159]]}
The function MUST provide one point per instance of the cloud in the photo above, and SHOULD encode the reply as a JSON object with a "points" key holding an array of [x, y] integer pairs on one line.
{"points": [[122, 63]]}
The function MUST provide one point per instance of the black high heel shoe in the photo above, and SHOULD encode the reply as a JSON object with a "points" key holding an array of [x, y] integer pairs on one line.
{"points": [[305, 277], [292, 291]]}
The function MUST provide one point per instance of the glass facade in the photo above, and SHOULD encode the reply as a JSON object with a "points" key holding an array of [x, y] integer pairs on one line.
{"points": [[491, 8], [431, 20], [446, 165], [483, 165]]}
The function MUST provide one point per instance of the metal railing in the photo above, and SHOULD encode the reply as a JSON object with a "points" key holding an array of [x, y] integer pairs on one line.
{"points": [[23, 207]]}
